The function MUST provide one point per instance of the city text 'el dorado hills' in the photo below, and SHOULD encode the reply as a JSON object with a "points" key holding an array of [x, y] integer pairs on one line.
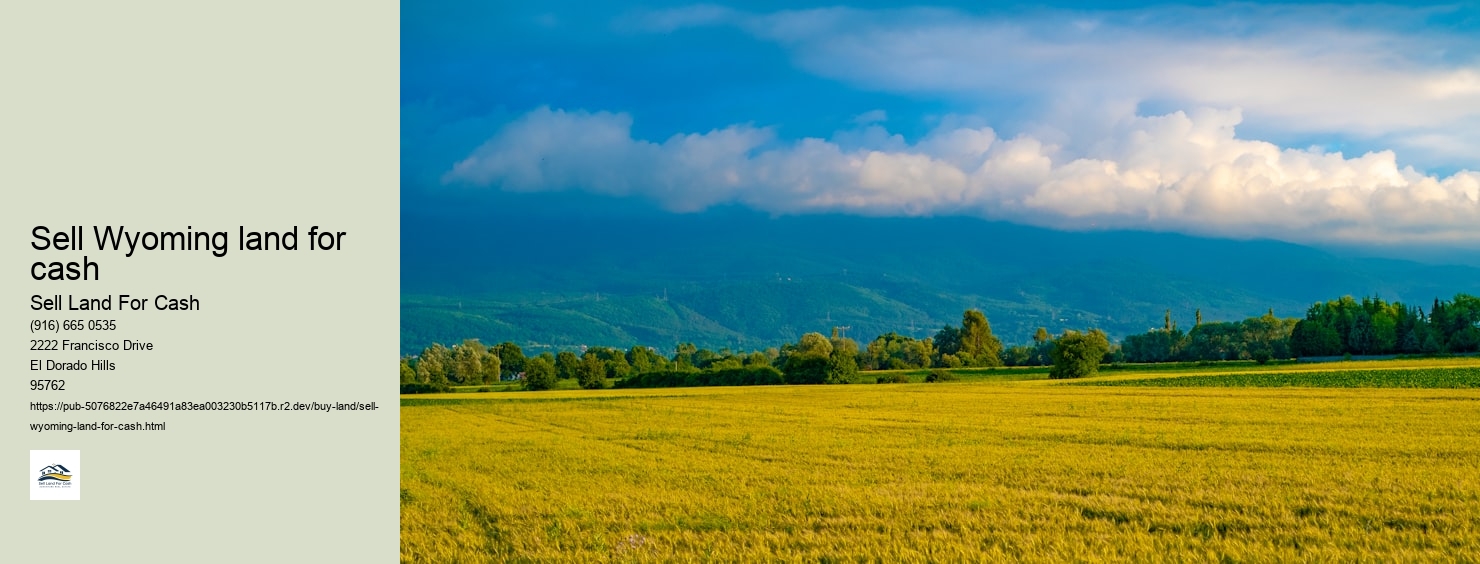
{"points": [[121, 302]]}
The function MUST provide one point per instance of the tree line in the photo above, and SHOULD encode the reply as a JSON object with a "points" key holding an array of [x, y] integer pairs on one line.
{"points": [[1342, 326], [1374, 326], [1257, 338], [812, 359]]}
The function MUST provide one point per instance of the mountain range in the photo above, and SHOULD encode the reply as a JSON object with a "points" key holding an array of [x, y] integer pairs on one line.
{"points": [[743, 280]]}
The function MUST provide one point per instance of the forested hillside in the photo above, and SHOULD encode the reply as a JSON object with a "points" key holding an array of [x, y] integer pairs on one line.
{"points": [[745, 281]]}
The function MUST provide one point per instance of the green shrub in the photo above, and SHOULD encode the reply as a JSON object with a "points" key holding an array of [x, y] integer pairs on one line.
{"points": [[895, 378], [939, 375], [539, 374], [417, 388], [806, 369], [746, 376], [1076, 355]]}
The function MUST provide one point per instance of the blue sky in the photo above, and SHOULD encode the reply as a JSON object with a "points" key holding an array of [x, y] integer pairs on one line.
{"points": [[1322, 124]]}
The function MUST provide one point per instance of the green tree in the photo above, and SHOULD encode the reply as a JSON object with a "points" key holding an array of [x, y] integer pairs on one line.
{"points": [[539, 374], [1384, 332], [815, 344], [565, 365], [703, 358], [467, 361], [613, 360], [683, 357], [947, 341], [492, 367], [431, 366], [842, 362], [1431, 344], [757, 358], [1218, 341], [408, 374], [511, 357], [1465, 340], [725, 362], [643, 359], [977, 340], [1362, 338], [1041, 336], [1156, 345], [892, 351], [1411, 342], [807, 361], [1020, 355], [1076, 355], [591, 373], [919, 352], [1464, 313], [1311, 338], [1266, 335]]}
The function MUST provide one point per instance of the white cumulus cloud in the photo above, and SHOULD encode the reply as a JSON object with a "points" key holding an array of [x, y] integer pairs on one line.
{"points": [[1185, 172]]}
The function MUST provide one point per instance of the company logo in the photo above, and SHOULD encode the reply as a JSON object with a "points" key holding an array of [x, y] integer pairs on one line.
{"points": [[55, 473]]}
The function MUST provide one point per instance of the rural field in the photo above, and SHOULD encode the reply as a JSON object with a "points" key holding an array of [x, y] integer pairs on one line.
{"points": [[1359, 461]]}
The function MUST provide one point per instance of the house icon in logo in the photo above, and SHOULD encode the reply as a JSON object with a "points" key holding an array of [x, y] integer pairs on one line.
{"points": [[55, 473]]}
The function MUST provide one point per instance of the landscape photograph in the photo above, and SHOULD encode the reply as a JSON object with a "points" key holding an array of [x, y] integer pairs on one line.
{"points": [[949, 282]]}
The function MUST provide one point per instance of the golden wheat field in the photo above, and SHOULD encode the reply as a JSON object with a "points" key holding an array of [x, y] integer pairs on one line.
{"points": [[962, 471]]}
